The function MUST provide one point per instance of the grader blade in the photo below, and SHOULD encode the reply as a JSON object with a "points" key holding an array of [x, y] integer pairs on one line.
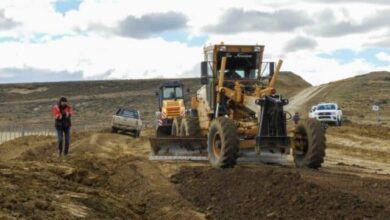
{"points": [[266, 157], [178, 148]]}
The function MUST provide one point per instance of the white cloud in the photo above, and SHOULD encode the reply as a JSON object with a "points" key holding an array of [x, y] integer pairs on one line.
{"points": [[383, 56], [319, 70], [66, 42], [95, 55]]}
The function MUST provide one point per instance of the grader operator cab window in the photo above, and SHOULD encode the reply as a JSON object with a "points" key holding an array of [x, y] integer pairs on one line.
{"points": [[267, 70], [172, 92], [239, 65], [206, 71]]}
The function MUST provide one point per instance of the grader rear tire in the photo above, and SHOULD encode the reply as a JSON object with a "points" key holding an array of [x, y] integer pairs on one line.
{"points": [[189, 126], [309, 144], [222, 142], [176, 127]]}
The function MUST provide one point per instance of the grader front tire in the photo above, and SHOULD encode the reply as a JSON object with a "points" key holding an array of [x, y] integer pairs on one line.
{"points": [[222, 142]]}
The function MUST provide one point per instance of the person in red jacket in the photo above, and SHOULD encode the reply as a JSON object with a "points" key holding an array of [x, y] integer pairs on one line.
{"points": [[62, 115]]}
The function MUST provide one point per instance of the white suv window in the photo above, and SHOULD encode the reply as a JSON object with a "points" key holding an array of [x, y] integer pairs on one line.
{"points": [[327, 107]]}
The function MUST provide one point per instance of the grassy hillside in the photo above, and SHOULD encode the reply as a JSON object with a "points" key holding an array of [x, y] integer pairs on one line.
{"points": [[356, 96], [95, 101], [290, 84]]}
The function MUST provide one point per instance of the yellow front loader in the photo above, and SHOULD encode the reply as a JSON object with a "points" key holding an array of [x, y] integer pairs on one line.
{"points": [[237, 114]]}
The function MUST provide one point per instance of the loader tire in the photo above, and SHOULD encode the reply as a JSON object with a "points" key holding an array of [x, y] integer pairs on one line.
{"points": [[162, 132], [222, 143], [189, 126], [176, 127], [309, 144]]}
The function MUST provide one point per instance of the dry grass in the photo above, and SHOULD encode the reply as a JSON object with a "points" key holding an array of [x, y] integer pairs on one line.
{"points": [[95, 101]]}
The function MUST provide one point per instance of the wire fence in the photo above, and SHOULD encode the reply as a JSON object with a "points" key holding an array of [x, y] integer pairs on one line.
{"points": [[16, 131]]}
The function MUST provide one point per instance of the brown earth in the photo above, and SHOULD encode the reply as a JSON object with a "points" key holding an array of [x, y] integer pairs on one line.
{"points": [[271, 193], [109, 176], [102, 179]]}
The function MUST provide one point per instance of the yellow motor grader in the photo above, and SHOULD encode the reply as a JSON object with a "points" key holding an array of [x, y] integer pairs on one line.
{"points": [[238, 115]]}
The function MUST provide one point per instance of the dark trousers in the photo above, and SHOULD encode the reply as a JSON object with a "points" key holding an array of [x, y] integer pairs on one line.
{"points": [[61, 132]]}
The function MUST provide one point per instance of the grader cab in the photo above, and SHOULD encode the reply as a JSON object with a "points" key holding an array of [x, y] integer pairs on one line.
{"points": [[238, 114]]}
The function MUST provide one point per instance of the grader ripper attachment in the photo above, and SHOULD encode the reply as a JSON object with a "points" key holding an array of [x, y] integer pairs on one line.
{"points": [[238, 115]]}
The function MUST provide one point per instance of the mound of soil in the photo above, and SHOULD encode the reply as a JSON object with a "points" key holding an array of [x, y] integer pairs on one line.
{"points": [[269, 193], [100, 179]]}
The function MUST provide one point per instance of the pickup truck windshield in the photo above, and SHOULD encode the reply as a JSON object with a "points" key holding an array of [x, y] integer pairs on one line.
{"points": [[129, 114], [326, 107]]}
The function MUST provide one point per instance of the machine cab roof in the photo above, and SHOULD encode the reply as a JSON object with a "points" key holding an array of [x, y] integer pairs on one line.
{"points": [[244, 62], [171, 90]]}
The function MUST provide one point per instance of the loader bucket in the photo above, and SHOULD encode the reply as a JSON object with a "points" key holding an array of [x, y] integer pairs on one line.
{"points": [[186, 148]]}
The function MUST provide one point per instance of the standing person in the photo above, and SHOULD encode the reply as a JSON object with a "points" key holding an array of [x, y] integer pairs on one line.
{"points": [[62, 114], [296, 118]]}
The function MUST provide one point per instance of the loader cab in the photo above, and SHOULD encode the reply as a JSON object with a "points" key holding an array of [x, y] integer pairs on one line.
{"points": [[171, 90]]}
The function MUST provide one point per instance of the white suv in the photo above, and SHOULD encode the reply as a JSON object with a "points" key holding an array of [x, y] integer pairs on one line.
{"points": [[327, 112]]}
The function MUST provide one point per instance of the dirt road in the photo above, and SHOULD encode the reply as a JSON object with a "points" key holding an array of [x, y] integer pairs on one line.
{"points": [[299, 100]]}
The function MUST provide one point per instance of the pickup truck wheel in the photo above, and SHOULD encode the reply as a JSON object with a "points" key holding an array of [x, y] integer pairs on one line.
{"points": [[162, 131]]}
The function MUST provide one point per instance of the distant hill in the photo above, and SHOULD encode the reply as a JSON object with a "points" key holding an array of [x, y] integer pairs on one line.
{"points": [[95, 101], [289, 84], [356, 95]]}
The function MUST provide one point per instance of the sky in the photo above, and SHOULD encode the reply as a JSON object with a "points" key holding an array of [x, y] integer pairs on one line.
{"points": [[61, 40]]}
